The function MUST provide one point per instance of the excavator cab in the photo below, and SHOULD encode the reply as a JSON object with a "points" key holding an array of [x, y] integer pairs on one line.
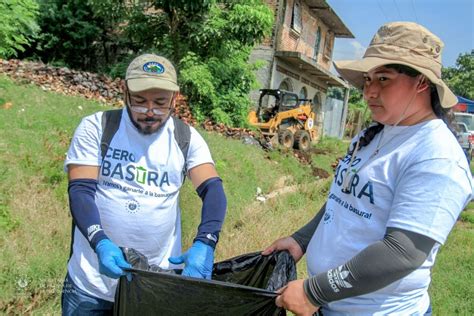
{"points": [[285, 118], [273, 101]]}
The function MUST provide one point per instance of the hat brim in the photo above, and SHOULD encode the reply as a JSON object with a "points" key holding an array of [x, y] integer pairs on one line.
{"points": [[353, 71], [142, 84]]}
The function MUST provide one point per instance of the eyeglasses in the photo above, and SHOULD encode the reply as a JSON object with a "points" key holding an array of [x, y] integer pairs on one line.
{"points": [[144, 110]]}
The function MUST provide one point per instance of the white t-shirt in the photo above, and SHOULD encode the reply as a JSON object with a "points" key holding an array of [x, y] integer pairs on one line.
{"points": [[418, 181], [137, 194]]}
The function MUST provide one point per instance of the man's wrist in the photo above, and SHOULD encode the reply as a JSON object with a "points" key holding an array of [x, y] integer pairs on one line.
{"points": [[98, 237], [210, 239], [214, 206]]}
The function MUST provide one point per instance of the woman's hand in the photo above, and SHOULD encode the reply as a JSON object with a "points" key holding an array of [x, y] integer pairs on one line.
{"points": [[293, 298], [287, 243]]}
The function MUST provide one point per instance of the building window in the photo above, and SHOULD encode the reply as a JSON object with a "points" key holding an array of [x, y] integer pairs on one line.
{"points": [[317, 106], [286, 85], [303, 93], [296, 23], [328, 45], [317, 43]]}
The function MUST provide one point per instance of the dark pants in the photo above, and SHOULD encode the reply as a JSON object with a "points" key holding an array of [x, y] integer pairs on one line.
{"points": [[75, 301]]}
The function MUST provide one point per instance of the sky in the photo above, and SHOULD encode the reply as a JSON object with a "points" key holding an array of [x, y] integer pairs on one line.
{"points": [[450, 20]]}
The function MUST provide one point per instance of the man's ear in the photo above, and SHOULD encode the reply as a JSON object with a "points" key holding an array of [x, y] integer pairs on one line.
{"points": [[123, 86], [175, 98]]}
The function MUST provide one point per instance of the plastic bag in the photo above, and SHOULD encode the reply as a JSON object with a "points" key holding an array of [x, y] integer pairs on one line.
{"points": [[243, 285]]}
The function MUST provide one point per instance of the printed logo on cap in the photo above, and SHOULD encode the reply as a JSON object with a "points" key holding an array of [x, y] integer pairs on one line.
{"points": [[154, 67]]}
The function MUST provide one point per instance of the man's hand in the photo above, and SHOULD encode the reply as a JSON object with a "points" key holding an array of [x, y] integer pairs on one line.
{"points": [[293, 298], [287, 243], [111, 260], [198, 261]]}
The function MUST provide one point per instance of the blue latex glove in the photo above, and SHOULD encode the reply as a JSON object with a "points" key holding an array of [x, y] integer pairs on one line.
{"points": [[198, 261], [111, 260]]}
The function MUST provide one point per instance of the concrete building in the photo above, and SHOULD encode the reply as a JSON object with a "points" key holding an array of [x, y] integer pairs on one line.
{"points": [[298, 54]]}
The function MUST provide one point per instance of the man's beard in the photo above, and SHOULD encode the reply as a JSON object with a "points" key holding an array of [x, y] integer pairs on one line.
{"points": [[147, 130]]}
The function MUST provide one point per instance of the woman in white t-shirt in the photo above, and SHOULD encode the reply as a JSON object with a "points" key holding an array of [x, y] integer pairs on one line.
{"points": [[396, 194]]}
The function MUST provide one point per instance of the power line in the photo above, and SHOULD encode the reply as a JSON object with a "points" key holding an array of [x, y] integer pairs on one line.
{"points": [[398, 10], [380, 7], [414, 10]]}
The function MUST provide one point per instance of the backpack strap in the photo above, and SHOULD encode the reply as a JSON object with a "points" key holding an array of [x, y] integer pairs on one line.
{"points": [[182, 135], [110, 125]]}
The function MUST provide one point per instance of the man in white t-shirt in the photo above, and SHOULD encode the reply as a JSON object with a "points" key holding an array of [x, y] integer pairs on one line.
{"points": [[126, 193]]}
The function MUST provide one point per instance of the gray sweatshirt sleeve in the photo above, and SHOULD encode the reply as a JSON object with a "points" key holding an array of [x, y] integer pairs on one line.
{"points": [[380, 264]]}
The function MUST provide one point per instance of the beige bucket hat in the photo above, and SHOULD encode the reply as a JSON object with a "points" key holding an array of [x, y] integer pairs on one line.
{"points": [[404, 43], [149, 71]]}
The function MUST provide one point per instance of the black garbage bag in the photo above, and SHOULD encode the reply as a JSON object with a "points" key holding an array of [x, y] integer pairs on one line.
{"points": [[244, 285]]}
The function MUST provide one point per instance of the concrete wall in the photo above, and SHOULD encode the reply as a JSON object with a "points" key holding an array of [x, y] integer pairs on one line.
{"points": [[264, 74]]}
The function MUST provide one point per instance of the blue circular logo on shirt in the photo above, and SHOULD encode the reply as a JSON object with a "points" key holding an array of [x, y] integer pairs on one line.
{"points": [[328, 216], [132, 206], [154, 67]]}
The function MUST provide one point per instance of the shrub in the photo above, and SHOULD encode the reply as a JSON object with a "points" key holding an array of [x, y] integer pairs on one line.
{"points": [[17, 25]]}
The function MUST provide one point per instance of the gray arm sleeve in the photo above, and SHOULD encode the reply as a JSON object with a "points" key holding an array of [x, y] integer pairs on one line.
{"points": [[304, 234], [380, 264]]}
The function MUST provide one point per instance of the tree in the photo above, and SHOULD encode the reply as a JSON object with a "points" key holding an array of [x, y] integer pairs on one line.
{"points": [[108, 16], [215, 72], [70, 33], [83, 34], [461, 77], [17, 25], [335, 93], [210, 41]]}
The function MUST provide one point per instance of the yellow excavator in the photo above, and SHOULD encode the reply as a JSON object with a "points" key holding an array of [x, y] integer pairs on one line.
{"points": [[282, 116]]}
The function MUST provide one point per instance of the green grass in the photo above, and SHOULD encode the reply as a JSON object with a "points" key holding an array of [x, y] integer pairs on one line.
{"points": [[34, 217], [35, 223], [328, 151], [452, 291]]}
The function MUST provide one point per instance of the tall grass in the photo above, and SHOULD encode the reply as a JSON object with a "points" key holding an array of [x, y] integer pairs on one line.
{"points": [[35, 223], [35, 131]]}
